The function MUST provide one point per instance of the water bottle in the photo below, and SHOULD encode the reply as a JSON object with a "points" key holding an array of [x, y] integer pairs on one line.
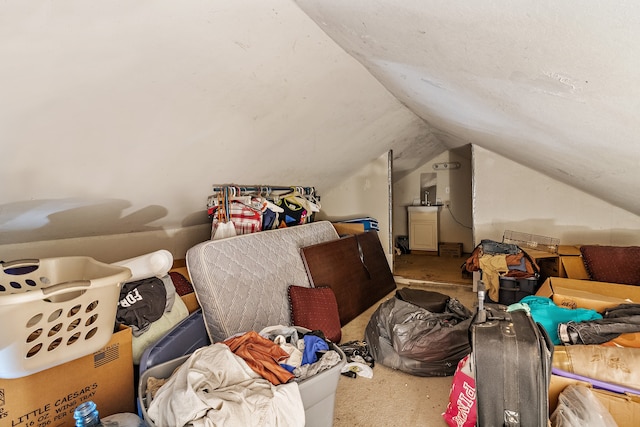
{"points": [[86, 415]]}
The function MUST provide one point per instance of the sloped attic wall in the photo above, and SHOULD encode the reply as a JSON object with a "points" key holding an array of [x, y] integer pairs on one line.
{"points": [[118, 117], [509, 196], [547, 84]]}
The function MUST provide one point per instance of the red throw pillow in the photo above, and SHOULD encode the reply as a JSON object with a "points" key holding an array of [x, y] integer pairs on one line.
{"points": [[316, 309], [182, 285], [613, 264]]}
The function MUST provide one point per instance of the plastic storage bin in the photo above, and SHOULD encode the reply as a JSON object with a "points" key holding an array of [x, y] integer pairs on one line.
{"points": [[160, 360], [512, 290], [184, 338], [55, 310]]}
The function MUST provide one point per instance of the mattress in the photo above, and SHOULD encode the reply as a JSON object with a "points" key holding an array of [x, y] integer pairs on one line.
{"points": [[242, 282]]}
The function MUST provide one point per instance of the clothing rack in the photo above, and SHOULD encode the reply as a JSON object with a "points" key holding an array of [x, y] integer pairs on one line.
{"points": [[266, 207], [265, 190]]}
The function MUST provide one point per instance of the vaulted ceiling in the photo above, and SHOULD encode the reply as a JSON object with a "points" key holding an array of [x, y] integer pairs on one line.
{"points": [[551, 85], [119, 116]]}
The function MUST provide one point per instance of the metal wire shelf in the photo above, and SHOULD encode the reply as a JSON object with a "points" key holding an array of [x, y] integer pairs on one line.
{"points": [[532, 241]]}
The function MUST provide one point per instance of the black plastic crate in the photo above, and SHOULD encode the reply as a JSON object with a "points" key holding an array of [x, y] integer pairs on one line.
{"points": [[513, 289]]}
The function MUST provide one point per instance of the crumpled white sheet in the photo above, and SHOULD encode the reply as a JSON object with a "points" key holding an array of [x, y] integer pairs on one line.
{"points": [[328, 360], [214, 387]]}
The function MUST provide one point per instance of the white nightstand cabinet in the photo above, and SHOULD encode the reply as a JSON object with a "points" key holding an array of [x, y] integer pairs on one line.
{"points": [[423, 228]]}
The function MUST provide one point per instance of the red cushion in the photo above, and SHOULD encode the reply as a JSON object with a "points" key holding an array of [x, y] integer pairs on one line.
{"points": [[182, 285], [316, 309], [613, 264]]}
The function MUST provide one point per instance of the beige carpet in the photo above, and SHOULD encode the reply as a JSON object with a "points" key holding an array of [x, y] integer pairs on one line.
{"points": [[394, 398], [431, 268]]}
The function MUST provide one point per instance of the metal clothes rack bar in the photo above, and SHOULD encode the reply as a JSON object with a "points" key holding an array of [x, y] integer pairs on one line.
{"points": [[268, 189]]}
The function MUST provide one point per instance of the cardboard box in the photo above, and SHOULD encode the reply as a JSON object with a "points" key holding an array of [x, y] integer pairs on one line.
{"points": [[345, 229], [568, 250], [553, 264], [190, 299], [191, 302], [453, 250], [571, 264], [625, 408], [573, 293], [573, 267], [48, 398], [548, 263]]}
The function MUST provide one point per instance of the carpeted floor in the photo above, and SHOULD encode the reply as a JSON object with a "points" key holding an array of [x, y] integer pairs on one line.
{"points": [[431, 268], [393, 398]]}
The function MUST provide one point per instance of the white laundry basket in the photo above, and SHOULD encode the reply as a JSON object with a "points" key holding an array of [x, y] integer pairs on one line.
{"points": [[54, 310]]}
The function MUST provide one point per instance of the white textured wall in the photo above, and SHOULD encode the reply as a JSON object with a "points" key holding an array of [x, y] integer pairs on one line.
{"points": [[119, 116], [549, 84], [113, 247], [364, 193], [506, 196], [455, 224], [509, 196]]}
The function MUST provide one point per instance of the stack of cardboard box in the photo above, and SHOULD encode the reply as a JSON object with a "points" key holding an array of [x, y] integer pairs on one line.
{"points": [[49, 397], [575, 293]]}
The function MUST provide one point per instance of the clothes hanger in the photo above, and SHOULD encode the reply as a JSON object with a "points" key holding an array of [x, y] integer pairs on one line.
{"points": [[265, 203], [313, 199], [305, 201], [272, 206]]}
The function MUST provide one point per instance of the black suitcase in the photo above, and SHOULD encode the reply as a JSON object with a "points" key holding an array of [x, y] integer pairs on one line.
{"points": [[511, 356], [513, 289]]}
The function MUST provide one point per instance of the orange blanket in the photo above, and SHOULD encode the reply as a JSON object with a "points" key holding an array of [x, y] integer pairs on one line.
{"points": [[262, 355]]}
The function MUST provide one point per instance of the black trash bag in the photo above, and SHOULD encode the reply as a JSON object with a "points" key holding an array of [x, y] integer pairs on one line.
{"points": [[409, 338], [429, 300]]}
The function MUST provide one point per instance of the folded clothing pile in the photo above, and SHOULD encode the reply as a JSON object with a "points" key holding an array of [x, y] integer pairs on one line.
{"points": [[150, 306], [497, 259]]}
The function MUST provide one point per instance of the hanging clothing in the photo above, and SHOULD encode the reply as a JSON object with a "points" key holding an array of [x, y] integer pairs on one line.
{"points": [[294, 213], [273, 207], [245, 219]]}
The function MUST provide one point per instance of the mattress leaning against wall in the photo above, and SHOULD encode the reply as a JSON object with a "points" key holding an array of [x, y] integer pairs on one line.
{"points": [[242, 284]]}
